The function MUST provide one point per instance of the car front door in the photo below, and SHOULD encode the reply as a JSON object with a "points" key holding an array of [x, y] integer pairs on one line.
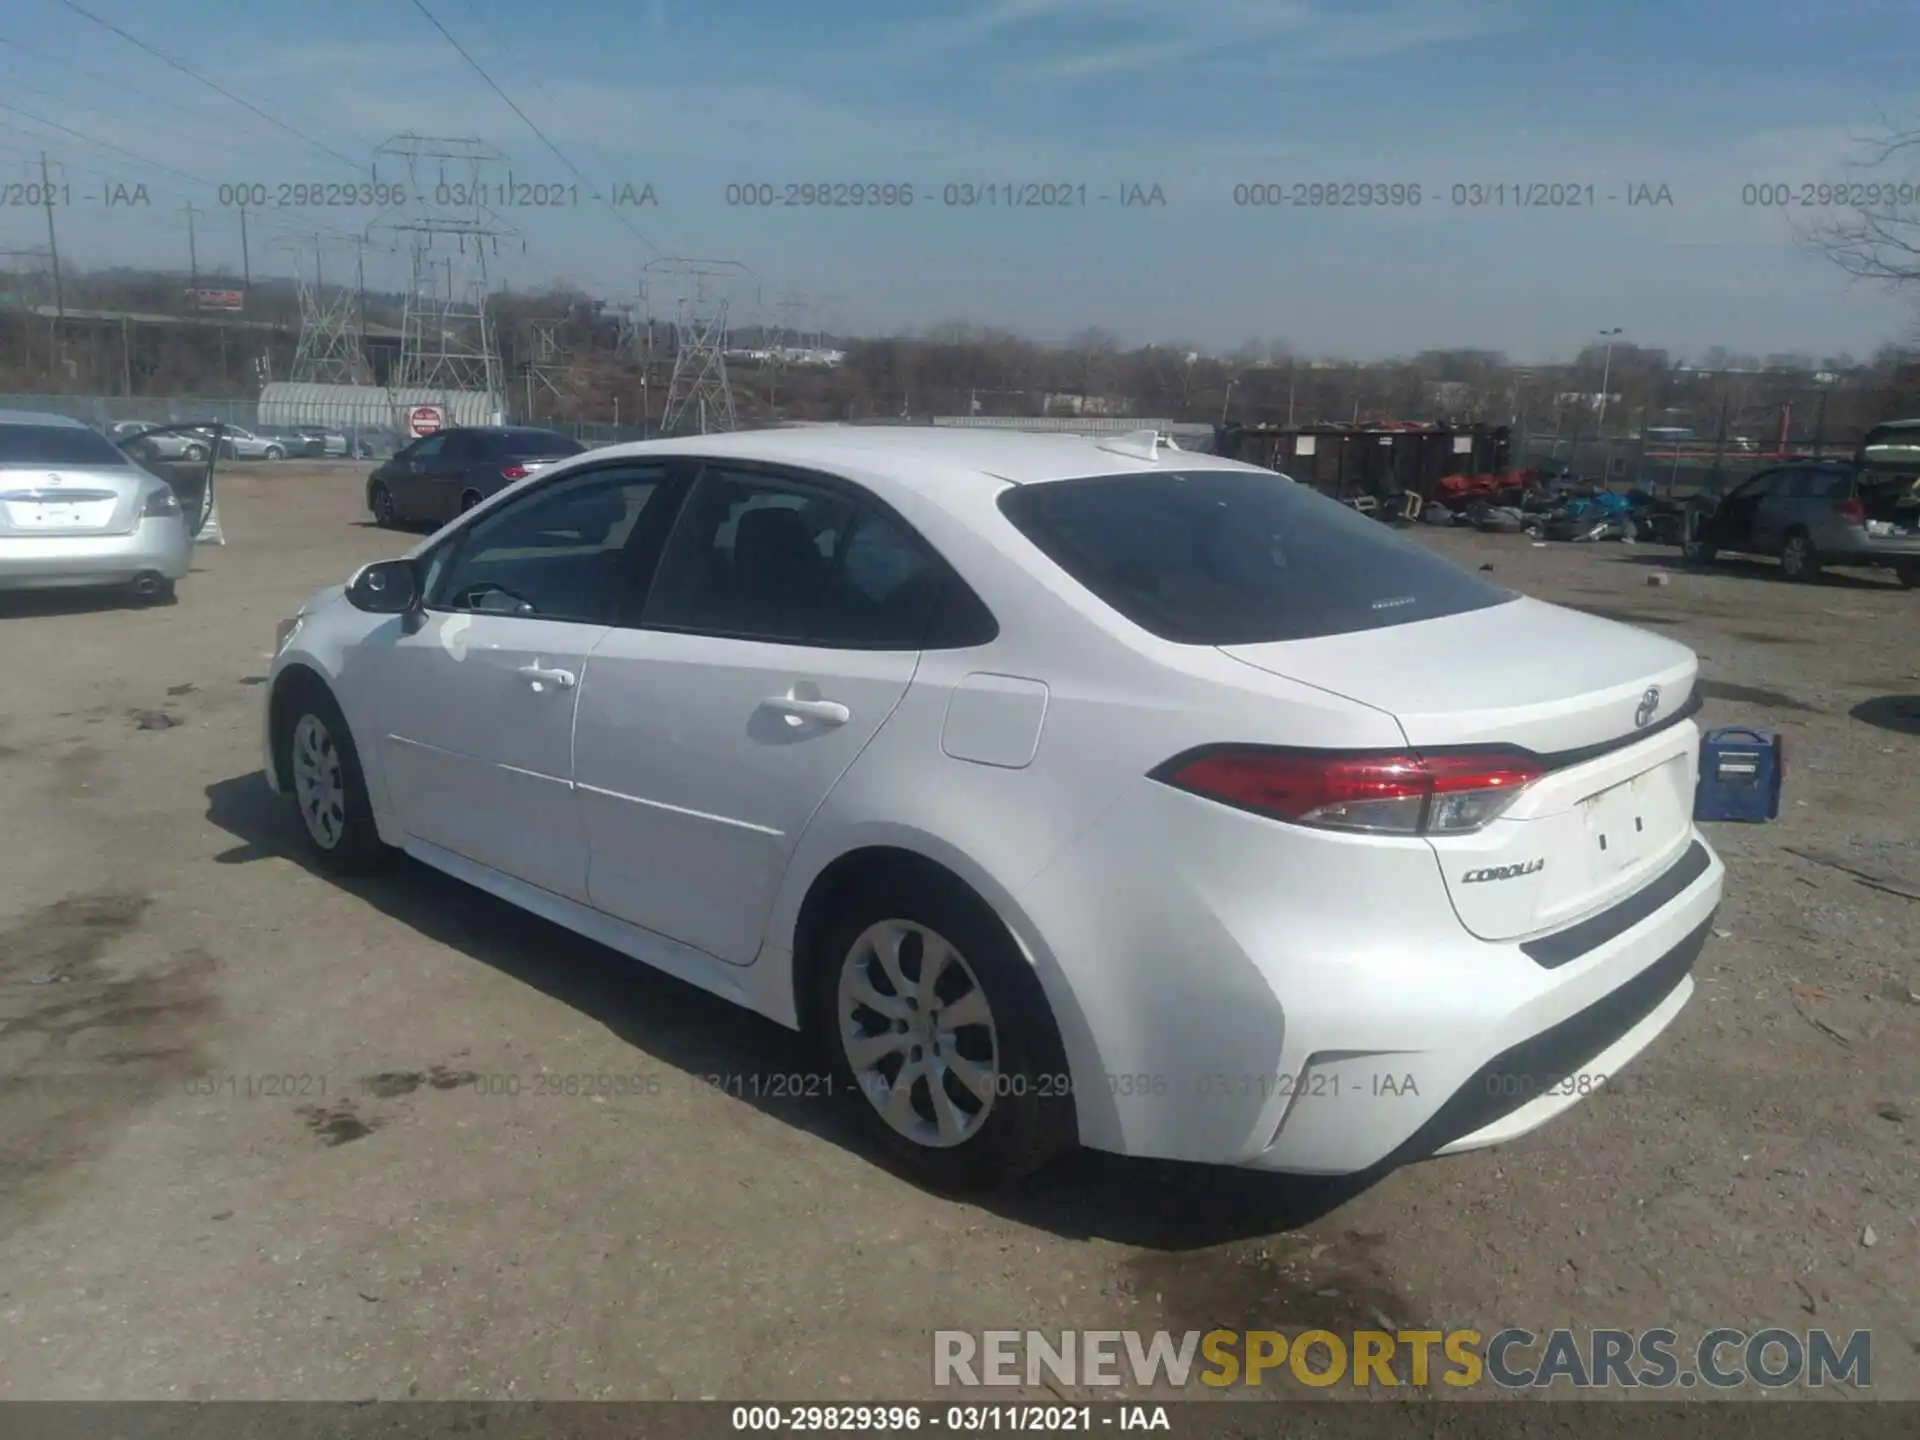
{"points": [[782, 627], [443, 480], [1774, 512], [1733, 522], [476, 704]]}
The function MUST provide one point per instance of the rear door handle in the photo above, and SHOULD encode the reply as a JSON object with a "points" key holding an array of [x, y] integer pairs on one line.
{"points": [[825, 712], [537, 676]]}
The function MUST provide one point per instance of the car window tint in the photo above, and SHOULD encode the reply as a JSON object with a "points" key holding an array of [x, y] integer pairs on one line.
{"points": [[1227, 557], [556, 554], [884, 592], [57, 445], [428, 449], [750, 556]]}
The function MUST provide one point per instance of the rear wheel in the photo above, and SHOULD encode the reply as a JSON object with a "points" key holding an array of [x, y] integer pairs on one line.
{"points": [[381, 503], [1909, 575], [1797, 558], [321, 769], [195, 452], [936, 1029], [274, 452], [468, 500]]}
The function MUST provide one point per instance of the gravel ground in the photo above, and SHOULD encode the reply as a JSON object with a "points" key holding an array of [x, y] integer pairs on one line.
{"points": [[268, 1171]]}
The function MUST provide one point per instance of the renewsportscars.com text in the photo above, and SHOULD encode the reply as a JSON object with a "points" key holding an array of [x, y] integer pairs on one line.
{"points": [[1512, 1359]]}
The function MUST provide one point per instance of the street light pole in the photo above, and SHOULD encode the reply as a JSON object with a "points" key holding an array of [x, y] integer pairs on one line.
{"points": [[1606, 374]]}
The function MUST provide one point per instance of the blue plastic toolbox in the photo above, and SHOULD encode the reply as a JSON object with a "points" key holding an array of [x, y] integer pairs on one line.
{"points": [[1740, 775]]}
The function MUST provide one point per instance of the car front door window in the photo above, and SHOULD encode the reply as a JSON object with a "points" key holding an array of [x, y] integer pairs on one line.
{"points": [[557, 554]]}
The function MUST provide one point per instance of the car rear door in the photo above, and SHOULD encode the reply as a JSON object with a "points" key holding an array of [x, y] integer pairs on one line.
{"points": [[781, 630], [476, 706]]}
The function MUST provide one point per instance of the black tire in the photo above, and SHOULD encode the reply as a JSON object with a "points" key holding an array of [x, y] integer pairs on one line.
{"points": [[1030, 1117], [469, 499], [357, 848], [162, 594], [1908, 575], [380, 502], [1798, 560], [274, 452], [196, 453]]}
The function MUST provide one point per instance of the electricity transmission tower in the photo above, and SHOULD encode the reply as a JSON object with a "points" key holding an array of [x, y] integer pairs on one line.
{"points": [[699, 391], [330, 350], [446, 340]]}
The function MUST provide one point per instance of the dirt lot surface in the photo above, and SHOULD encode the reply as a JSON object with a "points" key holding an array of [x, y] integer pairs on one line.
{"points": [[243, 1154]]}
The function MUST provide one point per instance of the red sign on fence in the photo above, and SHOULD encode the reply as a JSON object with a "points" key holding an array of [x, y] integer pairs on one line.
{"points": [[425, 419], [217, 299]]}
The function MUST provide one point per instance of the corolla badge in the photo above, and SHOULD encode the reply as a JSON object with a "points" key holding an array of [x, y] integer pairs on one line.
{"points": [[1504, 872], [1649, 707]]}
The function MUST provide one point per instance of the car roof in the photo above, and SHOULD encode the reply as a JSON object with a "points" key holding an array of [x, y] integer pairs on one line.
{"points": [[41, 417], [1017, 457]]}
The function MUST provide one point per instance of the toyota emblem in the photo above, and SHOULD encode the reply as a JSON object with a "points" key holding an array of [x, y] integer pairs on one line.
{"points": [[1649, 707]]}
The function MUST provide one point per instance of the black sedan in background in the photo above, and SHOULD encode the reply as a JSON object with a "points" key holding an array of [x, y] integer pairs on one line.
{"points": [[441, 475]]}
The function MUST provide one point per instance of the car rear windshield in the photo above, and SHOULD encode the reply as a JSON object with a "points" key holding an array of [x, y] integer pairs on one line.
{"points": [[531, 443], [57, 445], [1227, 557]]}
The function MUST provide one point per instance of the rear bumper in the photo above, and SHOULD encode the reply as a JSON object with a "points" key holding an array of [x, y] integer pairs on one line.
{"points": [[1534, 1051], [160, 545], [1237, 993]]}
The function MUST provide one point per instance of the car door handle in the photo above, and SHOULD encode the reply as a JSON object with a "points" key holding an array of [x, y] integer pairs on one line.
{"points": [[826, 712], [538, 675]]}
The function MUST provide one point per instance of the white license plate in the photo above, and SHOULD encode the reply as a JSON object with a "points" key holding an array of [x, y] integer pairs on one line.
{"points": [[52, 515], [1620, 824]]}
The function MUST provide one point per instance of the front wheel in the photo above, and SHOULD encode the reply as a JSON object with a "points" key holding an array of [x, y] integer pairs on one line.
{"points": [[274, 452], [196, 452], [321, 768], [1798, 561], [1909, 576], [936, 1030], [381, 503]]}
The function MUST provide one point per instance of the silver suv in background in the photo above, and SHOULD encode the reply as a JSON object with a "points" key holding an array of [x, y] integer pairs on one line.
{"points": [[1812, 514]]}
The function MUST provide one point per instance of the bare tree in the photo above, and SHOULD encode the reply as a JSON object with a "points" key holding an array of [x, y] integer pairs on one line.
{"points": [[1878, 240]]}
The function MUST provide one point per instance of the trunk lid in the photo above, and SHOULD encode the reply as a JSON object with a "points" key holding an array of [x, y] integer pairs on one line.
{"points": [[1576, 690], [58, 500]]}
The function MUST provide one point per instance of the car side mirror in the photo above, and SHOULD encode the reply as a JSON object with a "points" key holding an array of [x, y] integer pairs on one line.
{"points": [[386, 587]]}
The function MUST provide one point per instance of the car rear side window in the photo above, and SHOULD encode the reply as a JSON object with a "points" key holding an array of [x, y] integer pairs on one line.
{"points": [[1229, 557], [764, 558], [57, 445]]}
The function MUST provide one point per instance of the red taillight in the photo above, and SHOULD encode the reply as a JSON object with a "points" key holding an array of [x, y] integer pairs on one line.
{"points": [[513, 472], [1852, 509], [1407, 794]]}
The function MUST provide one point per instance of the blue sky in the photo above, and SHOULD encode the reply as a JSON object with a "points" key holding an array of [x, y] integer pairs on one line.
{"points": [[1193, 96]]}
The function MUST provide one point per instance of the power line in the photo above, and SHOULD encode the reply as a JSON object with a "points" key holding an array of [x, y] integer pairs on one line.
{"points": [[119, 86], [273, 120], [122, 150], [525, 119]]}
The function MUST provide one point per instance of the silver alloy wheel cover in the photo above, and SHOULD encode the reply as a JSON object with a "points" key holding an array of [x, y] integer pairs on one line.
{"points": [[1798, 552], [909, 1019], [319, 786]]}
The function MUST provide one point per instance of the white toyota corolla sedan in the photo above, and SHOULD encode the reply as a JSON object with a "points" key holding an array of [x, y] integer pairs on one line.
{"points": [[1064, 791]]}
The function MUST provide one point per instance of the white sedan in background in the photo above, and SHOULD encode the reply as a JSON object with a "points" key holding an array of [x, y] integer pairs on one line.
{"points": [[1063, 791]]}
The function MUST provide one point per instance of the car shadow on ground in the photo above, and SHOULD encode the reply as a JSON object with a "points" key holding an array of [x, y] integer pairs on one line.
{"points": [[1150, 1204], [1748, 568], [20, 604], [1898, 713]]}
